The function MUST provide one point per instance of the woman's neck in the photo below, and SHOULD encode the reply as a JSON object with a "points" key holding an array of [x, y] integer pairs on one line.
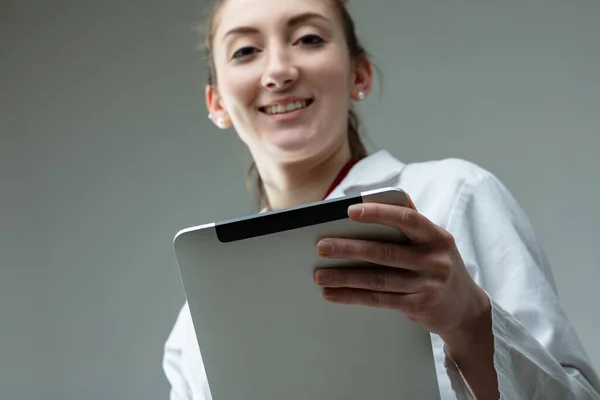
{"points": [[302, 182]]}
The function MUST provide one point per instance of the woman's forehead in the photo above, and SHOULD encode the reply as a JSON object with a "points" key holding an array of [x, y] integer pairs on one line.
{"points": [[234, 14]]}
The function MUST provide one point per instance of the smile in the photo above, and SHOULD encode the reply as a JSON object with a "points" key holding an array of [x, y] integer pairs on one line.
{"points": [[286, 107]]}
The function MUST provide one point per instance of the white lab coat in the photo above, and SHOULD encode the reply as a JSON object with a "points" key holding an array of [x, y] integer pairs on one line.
{"points": [[537, 352]]}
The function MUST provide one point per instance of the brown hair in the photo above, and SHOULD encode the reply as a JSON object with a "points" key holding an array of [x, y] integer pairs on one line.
{"points": [[357, 148]]}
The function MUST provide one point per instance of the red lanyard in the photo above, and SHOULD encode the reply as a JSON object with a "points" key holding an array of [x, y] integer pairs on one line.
{"points": [[341, 175]]}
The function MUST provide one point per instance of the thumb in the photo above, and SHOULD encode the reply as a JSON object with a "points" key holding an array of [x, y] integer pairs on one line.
{"points": [[411, 203]]}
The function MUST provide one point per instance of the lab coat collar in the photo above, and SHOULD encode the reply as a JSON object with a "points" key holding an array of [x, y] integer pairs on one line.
{"points": [[378, 170], [375, 171]]}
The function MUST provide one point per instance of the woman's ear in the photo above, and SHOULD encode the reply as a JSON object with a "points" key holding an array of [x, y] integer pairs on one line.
{"points": [[216, 112], [363, 78]]}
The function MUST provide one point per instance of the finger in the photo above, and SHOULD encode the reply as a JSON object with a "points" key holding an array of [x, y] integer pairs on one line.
{"points": [[380, 253], [415, 226], [380, 279], [362, 297], [413, 306], [411, 203]]}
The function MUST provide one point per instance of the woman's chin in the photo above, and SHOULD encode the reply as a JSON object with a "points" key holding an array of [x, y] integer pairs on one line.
{"points": [[292, 142]]}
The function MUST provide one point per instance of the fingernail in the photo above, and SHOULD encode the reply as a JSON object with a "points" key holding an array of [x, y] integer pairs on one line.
{"points": [[329, 294], [324, 248], [355, 211], [322, 277]]}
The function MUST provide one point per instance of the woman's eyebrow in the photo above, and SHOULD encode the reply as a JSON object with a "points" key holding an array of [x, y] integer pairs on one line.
{"points": [[292, 22], [305, 17]]}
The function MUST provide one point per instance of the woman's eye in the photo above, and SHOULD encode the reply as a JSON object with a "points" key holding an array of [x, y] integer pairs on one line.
{"points": [[311, 40], [243, 52]]}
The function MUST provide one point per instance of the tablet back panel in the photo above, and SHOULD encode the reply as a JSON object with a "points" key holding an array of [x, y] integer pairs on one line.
{"points": [[265, 331]]}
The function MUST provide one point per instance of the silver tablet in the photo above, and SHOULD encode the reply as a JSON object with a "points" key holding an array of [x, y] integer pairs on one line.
{"points": [[265, 331]]}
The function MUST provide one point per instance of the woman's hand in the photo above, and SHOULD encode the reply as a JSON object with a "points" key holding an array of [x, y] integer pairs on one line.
{"points": [[427, 281]]}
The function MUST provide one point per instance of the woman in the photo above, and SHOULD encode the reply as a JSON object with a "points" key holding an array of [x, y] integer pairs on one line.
{"points": [[284, 73]]}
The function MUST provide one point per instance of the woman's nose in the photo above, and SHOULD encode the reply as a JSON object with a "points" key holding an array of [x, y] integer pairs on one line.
{"points": [[281, 73]]}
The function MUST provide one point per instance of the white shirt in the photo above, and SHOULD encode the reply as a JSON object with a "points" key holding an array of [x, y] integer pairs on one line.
{"points": [[537, 352]]}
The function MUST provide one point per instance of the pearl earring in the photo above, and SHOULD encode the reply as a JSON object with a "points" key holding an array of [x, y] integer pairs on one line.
{"points": [[361, 95], [221, 122], [210, 116]]}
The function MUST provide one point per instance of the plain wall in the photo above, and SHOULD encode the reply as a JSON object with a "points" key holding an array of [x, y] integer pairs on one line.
{"points": [[106, 151]]}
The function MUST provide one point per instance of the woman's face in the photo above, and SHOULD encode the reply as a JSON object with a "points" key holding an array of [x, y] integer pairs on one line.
{"points": [[284, 76]]}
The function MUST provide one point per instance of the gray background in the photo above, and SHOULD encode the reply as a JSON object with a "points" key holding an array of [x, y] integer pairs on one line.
{"points": [[106, 151]]}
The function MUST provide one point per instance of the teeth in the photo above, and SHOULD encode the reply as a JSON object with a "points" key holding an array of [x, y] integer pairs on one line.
{"points": [[285, 108]]}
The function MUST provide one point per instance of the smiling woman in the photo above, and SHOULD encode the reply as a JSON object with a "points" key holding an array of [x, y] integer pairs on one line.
{"points": [[284, 74], [246, 46]]}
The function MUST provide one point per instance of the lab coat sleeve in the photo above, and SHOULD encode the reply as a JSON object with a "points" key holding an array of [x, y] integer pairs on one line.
{"points": [[537, 352], [172, 356]]}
